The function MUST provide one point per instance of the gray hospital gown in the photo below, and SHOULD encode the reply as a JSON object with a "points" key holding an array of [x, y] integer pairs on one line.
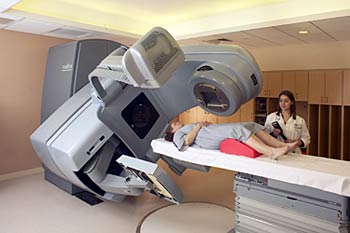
{"points": [[210, 137]]}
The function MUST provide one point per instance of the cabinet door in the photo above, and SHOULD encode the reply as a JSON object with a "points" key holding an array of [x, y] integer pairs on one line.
{"points": [[334, 89], [206, 116], [275, 83], [301, 86], [201, 114], [236, 117], [316, 87], [346, 88], [247, 111], [211, 118], [265, 86], [288, 81], [189, 116], [184, 117]]}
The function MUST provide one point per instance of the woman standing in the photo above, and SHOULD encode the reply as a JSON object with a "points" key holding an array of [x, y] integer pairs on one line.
{"points": [[286, 125]]}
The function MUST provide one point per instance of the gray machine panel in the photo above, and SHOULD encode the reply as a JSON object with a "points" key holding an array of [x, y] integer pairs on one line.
{"points": [[312, 208], [258, 217], [58, 77], [315, 202], [90, 53], [112, 117], [54, 122], [157, 180], [67, 69]]}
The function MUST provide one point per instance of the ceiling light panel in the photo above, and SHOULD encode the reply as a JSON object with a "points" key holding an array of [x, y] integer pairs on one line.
{"points": [[315, 34], [71, 33], [33, 26]]}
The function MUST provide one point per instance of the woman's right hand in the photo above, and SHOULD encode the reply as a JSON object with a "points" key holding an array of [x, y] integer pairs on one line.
{"points": [[276, 132]]}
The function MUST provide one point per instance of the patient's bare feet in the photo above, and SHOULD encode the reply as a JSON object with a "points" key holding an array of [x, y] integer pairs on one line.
{"points": [[279, 151], [292, 145]]}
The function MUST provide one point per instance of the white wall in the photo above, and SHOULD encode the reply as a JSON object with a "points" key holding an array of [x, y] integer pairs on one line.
{"points": [[22, 70]]}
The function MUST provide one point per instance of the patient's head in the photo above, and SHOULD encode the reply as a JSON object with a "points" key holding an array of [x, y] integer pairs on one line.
{"points": [[173, 127]]}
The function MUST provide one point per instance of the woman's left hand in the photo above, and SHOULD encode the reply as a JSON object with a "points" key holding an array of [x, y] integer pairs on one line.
{"points": [[294, 140], [206, 123]]}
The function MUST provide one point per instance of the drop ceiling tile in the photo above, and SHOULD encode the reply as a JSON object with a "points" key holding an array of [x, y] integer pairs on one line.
{"points": [[7, 19], [32, 26], [234, 43], [72, 33], [194, 41], [335, 24], [210, 37], [315, 34], [338, 28], [274, 35], [247, 39]]}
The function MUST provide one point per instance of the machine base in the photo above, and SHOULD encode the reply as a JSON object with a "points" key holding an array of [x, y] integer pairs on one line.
{"points": [[70, 188]]}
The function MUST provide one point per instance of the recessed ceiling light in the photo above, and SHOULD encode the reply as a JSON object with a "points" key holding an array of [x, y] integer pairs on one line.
{"points": [[303, 32]]}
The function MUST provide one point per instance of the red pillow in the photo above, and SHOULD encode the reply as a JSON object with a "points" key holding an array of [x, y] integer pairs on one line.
{"points": [[234, 147]]}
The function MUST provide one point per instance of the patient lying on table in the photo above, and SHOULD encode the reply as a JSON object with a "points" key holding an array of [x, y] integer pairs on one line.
{"points": [[209, 136]]}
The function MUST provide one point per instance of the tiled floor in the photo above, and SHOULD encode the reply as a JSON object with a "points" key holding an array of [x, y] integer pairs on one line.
{"points": [[30, 204], [189, 217]]}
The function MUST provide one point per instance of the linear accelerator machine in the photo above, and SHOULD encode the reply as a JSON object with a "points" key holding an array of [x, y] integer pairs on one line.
{"points": [[99, 140]]}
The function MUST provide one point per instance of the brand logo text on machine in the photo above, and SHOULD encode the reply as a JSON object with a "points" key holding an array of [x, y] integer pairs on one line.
{"points": [[67, 67]]}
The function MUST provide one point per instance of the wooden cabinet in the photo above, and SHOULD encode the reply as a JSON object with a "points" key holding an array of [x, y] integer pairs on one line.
{"points": [[346, 133], [206, 116], [301, 85], [313, 129], [335, 131], [323, 131], [334, 87], [316, 87], [346, 88], [325, 127], [272, 84], [197, 114], [247, 111], [189, 116], [296, 82], [236, 117], [325, 87]]}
